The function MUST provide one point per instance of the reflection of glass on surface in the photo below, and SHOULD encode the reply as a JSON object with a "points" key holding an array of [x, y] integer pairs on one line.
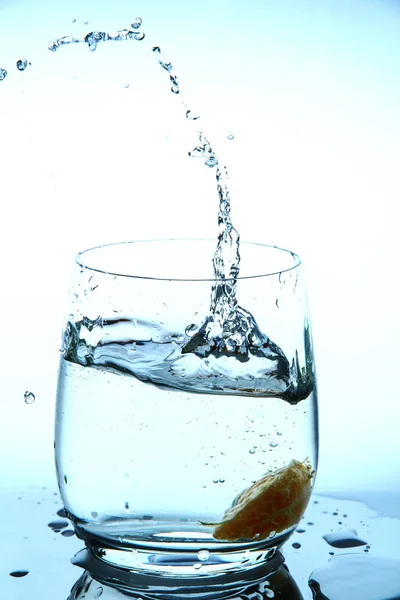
{"points": [[107, 583], [160, 447]]}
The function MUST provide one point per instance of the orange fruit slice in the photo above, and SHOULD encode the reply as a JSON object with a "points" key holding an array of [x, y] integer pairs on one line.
{"points": [[272, 504]]}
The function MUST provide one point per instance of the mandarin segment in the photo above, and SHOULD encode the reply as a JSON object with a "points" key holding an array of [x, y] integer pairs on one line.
{"points": [[273, 504]]}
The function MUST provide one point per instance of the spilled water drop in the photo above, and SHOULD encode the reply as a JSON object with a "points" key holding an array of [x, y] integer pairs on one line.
{"points": [[344, 538], [352, 576], [68, 533], [56, 526], [29, 397], [296, 545]]}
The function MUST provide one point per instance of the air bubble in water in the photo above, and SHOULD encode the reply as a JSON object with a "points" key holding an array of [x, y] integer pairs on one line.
{"points": [[3, 74], [136, 23], [29, 397], [203, 555], [22, 63]]}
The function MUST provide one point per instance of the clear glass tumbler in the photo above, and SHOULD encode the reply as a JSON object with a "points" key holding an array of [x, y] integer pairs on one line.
{"points": [[176, 461]]}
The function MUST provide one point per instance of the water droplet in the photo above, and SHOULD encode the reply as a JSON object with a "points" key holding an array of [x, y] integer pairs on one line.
{"points": [[211, 162], [3, 74], [345, 538], [19, 573], [57, 525], [29, 397], [133, 347], [94, 514], [215, 480], [191, 115], [65, 479], [269, 593], [98, 593], [300, 530], [156, 49], [127, 509], [274, 444], [310, 523], [272, 534], [74, 20], [279, 433], [191, 329], [22, 63], [230, 135], [126, 86], [62, 513], [252, 451], [222, 480], [136, 23], [197, 566], [139, 36], [296, 545], [85, 22], [203, 555], [68, 533]]}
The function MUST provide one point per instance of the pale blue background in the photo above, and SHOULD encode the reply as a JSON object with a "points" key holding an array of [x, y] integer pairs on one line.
{"points": [[311, 91]]}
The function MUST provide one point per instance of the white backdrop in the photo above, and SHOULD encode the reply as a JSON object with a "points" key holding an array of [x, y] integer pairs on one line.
{"points": [[311, 92]]}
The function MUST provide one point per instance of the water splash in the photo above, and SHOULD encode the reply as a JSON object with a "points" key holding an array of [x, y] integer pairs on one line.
{"points": [[229, 329], [22, 63], [94, 37], [3, 74]]}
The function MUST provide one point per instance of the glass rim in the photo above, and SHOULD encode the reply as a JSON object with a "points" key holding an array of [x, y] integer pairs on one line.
{"points": [[78, 260]]}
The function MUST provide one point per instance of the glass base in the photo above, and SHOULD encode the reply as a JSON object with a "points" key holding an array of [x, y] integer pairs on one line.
{"points": [[174, 575]]}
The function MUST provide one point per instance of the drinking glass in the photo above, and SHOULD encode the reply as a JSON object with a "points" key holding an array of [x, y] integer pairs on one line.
{"points": [[180, 464]]}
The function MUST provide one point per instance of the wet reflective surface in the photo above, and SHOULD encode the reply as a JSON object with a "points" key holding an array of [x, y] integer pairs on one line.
{"points": [[340, 546]]}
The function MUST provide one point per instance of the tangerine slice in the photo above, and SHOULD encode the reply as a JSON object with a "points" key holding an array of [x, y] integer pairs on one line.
{"points": [[272, 504]]}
